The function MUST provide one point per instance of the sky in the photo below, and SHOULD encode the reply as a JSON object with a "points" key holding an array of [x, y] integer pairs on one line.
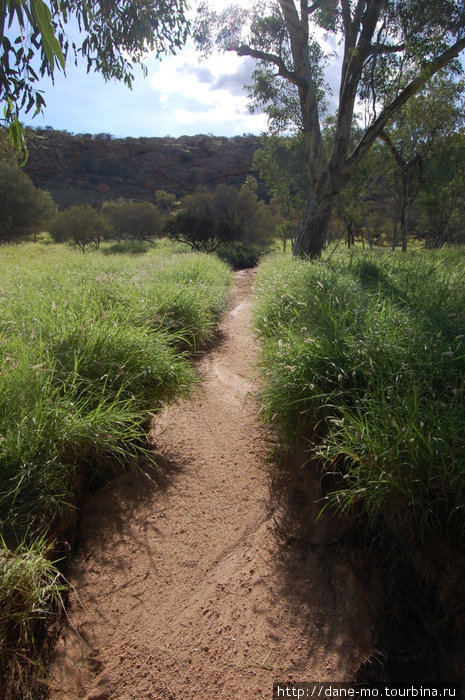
{"points": [[181, 95]]}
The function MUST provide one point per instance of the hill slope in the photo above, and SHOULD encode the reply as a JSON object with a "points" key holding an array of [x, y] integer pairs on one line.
{"points": [[83, 168]]}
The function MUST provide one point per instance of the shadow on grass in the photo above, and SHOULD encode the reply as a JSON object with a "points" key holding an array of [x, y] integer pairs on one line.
{"points": [[377, 597]]}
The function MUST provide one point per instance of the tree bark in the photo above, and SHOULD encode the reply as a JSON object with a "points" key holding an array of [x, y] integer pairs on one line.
{"points": [[328, 173], [312, 235]]}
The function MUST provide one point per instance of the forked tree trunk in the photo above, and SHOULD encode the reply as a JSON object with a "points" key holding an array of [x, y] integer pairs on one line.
{"points": [[312, 235]]}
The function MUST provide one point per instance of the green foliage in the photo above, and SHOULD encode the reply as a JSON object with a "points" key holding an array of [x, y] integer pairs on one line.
{"points": [[81, 225], [415, 133], [8, 154], [164, 201], [442, 193], [199, 232], [30, 593], [114, 36], [281, 163], [365, 358], [226, 215], [90, 347], [239, 255], [24, 209], [137, 221], [127, 247]]}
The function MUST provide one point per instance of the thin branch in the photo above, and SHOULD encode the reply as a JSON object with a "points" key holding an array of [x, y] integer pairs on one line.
{"points": [[409, 91], [394, 152], [283, 71], [316, 6], [386, 48]]}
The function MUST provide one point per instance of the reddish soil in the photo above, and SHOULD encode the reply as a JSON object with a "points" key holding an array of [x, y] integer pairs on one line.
{"points": [[193, 585]]}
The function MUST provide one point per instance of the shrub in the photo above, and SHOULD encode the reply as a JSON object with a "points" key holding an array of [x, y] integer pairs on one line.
{"points": [[208, 220], [81, 225], [201, 233], [127, 248], [164, 201], [137, 221], [239, 255], [24, 209]]}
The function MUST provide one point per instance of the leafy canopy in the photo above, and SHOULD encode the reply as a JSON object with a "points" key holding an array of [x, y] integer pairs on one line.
{"points": [[208, 219], [114, 35], [80, 225], [129, 220]]}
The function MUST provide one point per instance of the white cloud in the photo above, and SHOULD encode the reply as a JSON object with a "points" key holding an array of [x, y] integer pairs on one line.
{"points": [[208, 90], [203, 93]]}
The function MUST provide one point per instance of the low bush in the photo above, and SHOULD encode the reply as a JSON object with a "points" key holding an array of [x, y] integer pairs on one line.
{"points": [[24, 209], [365, 358], [133, 221], [80, 225], [240, 255], [127, 248]]}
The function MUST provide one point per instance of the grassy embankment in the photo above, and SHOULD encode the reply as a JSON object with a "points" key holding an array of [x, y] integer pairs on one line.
{"points": [[89, 346], [365, 357]]}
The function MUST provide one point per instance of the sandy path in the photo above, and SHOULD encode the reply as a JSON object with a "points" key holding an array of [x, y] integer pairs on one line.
{"points": [[188, 589]]}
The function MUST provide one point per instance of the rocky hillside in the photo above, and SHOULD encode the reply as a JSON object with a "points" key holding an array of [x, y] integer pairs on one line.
{"points": [[83, 168]]}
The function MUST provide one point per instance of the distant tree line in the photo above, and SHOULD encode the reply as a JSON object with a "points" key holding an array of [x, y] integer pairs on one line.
{"points": [[229, 220], [410, 185]]}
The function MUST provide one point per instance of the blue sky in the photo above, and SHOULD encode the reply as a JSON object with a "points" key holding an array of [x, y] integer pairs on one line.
{"points": [[178, 96], [181, 94]]}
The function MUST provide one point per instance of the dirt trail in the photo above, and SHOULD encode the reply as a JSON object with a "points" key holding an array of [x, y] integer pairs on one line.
{"points": [[190, 588]]}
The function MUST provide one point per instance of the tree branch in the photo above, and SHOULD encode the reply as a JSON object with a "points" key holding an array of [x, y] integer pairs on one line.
{"points": [[283, 71], [316, 6], [386, 48], [354, 58], [409, 91], [394, 152]]}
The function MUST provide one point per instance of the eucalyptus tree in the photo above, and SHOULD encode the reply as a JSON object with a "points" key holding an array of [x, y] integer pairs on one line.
{"points": [[417, 130], [113, 37], [389, 49], [442, 195]]}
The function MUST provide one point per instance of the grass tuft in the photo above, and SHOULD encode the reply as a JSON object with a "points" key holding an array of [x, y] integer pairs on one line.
{"points": [[90, 347], [30, 595], [365, 357]]}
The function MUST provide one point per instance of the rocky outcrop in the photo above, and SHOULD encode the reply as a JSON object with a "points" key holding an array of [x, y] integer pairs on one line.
{"points": [[83, 168]]}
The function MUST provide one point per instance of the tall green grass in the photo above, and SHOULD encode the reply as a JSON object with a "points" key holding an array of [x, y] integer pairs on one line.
{"points": [[30, 595], [90, 346], [365, 357]]}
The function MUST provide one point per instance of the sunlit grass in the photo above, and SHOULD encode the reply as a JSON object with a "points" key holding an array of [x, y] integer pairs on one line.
{"points": [[30, 594], [90, 346], [365, 357]]}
